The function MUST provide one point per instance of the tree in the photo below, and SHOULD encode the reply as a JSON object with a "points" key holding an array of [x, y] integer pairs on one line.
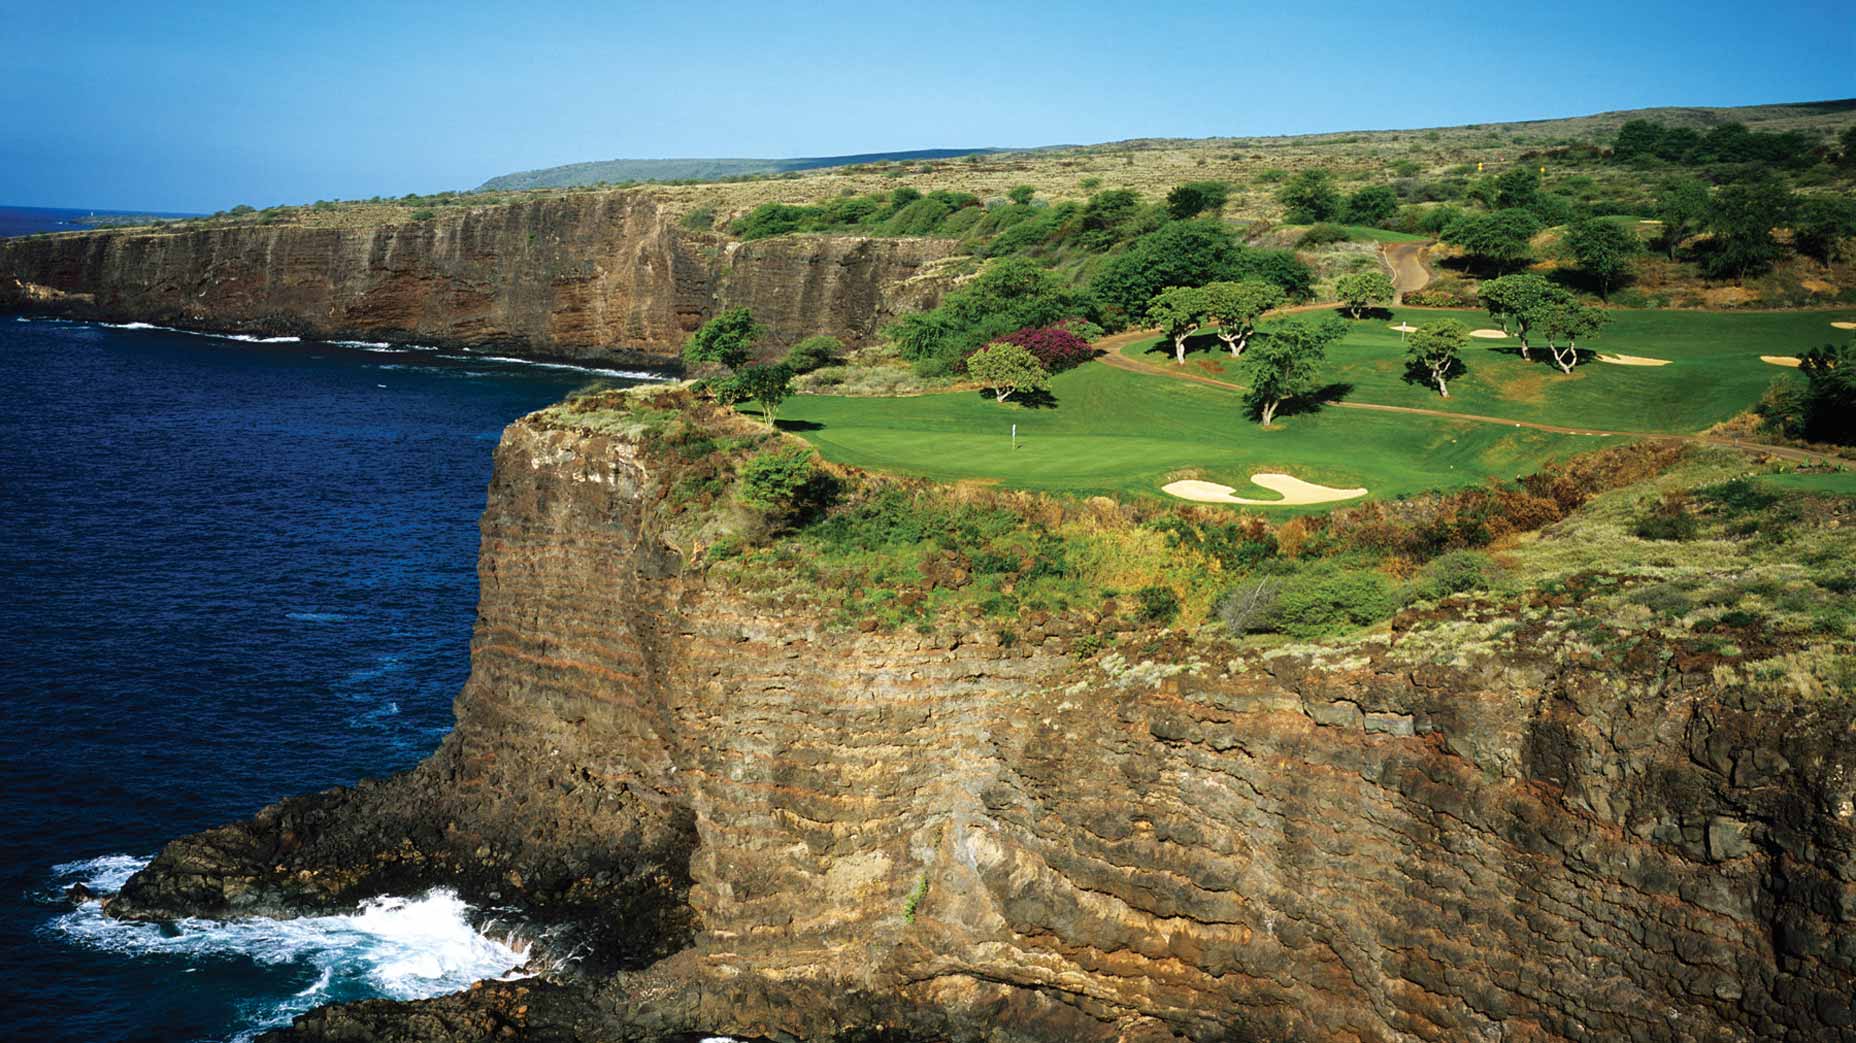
{"points": [[1603, 249], [1196, 197], [1501, 239], [1236, 307], [1179, 253], [1371, 206], [1742, 219], [1360, 289], [727, 339], [768, 385], [1569, 319], [1516, 188], [1106, 218], [1682, 204], [1830, 398], [1310, 197], [1177, 310], [1436, 349], [787, 483], [1517, 300], [1055, 348], [1286, 362], [1637, 139], [1007, 369], [1021, 194], [1822, 226], [1010, 293]]}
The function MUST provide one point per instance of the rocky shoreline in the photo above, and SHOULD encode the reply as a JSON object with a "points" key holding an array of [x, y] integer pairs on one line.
{"points": [[755, 827]]}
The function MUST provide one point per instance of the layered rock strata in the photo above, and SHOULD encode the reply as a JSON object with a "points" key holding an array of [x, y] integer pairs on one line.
{"points": [[1461, 830]]}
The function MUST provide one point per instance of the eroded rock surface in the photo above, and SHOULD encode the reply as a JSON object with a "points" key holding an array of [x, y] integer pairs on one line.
{"points": [[594, 275], [772, 831]]}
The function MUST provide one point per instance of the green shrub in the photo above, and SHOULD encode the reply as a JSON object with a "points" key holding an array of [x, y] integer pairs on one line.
{"points": [[1330, 597], [1668, 519], [423, 215], [701, 219], [1457, 572], [787, 483], [1323, 234], [814, 353], [1156, 604], [1248, 607]]}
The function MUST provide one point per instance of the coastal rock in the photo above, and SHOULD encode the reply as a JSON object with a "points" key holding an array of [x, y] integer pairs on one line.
{"points": [[604, 276], [890, 836]]}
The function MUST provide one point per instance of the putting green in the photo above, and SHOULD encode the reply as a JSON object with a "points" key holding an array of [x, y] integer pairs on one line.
{"points": [[1112, 431], [1716, 370]]}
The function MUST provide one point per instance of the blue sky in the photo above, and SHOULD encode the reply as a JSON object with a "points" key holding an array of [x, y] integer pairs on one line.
{"points": [[199, 106]]}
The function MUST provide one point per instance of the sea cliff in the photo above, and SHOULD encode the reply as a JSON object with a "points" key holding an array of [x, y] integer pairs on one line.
{"points": [[741, 822], [598, 276]]}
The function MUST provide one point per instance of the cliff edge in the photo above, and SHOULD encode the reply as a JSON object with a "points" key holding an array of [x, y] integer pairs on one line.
{"points": [[599, 276], [1489, 823]]}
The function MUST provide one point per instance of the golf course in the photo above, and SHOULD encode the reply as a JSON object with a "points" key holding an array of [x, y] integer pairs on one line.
{"points": [[1132, 429]]}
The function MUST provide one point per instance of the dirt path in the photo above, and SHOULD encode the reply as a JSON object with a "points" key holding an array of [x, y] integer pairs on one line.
{"points": [[1115, 358], [1406, 262]]}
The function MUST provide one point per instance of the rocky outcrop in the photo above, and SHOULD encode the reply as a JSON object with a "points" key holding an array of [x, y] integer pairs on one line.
{"points": [[591, 275], [1462, 830]]}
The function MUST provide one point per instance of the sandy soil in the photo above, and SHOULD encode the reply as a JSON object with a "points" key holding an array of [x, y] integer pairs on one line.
{"points": [[1780, 360], [1404, 327], [1489, 334], [1632, 360], [1294, 491], [1845, 325]]}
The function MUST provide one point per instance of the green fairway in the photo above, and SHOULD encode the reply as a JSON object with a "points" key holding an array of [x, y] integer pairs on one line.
{"points": [[1115, 431], [1714, 372]]}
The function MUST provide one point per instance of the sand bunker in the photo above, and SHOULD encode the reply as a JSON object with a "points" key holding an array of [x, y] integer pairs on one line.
{"points": [[1632, 360], [1845, 325], [1404, 327], [1294, 491], [1489, 334], [1780, 360]]}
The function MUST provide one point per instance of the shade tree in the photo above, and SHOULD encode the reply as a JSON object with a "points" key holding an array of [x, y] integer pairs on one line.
{"points": [[1196, 197], [1236, 306], [1007, 369], [1516, 301], [1566, 319], [1603, 250], [1286, 363], [1178, 311], [1361, 289], [1435, 349], [1682, 205], [1310, 197]]}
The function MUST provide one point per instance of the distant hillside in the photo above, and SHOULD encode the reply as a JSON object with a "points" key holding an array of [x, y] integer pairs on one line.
{"points": [[617, 171]]}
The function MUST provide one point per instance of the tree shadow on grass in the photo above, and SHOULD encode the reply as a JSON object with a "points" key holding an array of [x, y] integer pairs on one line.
{"points": [[1315, 400], [1420, 374], [1374, 314], [1038, 399], [1196, 343], [798, 425]]}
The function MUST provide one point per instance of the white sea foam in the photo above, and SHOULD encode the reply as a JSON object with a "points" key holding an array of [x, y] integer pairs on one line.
{"points": [[402, 948], [316, 617], [627, 374], [247, 338]]}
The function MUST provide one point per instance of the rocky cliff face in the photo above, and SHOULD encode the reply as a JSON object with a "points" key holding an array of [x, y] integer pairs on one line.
{"points": [[594, 275], [1462, 830]]}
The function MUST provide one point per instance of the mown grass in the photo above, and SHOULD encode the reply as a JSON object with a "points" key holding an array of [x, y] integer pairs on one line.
{"points": [[1715, 369], [1111, 431]]}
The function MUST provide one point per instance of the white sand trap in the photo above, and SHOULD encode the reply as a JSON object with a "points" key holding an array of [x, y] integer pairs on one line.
{"points": [[1294, 491], [1780, 360], [1845, 325], [1632, 360], [1404, 327], [1489, 334]]}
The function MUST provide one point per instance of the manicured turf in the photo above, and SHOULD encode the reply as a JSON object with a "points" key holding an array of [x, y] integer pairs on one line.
{"points": [[1833, 483], [1715, 370], [1115, 431], [1367, 233]]}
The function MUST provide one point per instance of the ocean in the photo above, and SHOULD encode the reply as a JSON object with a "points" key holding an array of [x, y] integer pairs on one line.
{"points": [[233, 571], [29, 220]]}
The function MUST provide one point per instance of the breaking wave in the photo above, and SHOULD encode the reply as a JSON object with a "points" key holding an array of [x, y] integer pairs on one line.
{"points": [[401, 948]]}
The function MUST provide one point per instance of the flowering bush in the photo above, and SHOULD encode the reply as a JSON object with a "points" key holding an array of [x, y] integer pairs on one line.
{"points": [[1055, 348]]}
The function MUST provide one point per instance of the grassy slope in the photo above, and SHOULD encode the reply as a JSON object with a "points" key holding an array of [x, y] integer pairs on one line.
{"points": [[1716, 371], [1113, 431]]}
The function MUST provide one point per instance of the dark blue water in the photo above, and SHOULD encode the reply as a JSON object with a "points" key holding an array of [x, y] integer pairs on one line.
{"points": [[30, 220], [229, 572]]}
